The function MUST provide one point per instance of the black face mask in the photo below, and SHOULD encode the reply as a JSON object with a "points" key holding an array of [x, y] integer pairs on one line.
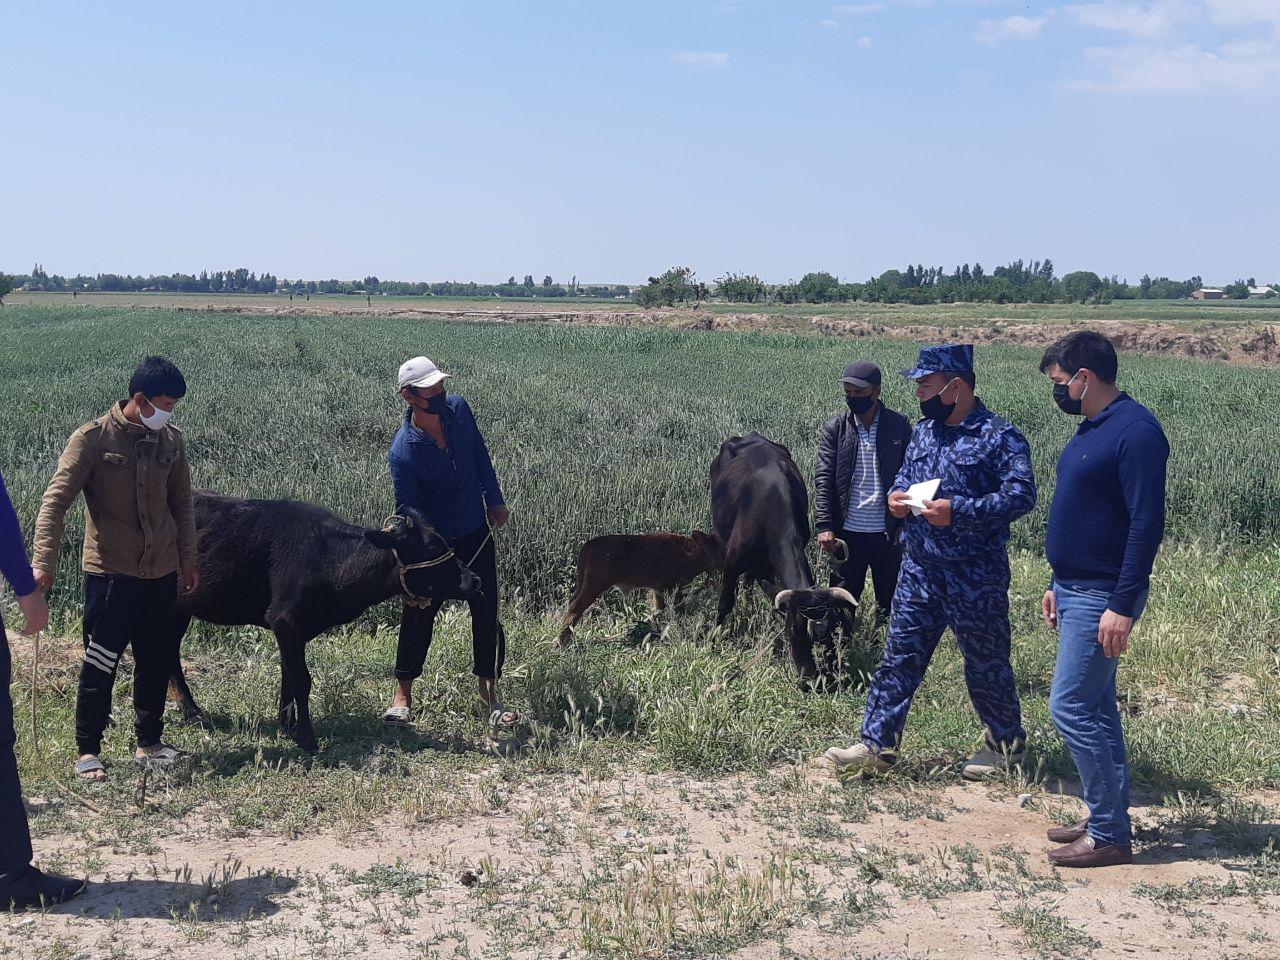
{"points": [[859, 405], [436, 405], [1062, 397], [935, 409]]}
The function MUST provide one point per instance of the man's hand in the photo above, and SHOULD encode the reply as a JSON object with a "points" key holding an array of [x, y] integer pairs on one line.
{"points": [[35, 611], [1049, 610], [1113, 633], [827, 540], [898, 504], [499, 515], [937, 512], [44, 580], [189, 580]]}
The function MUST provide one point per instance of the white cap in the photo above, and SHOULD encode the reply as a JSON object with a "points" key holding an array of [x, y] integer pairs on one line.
{"points": [[420, 372]]}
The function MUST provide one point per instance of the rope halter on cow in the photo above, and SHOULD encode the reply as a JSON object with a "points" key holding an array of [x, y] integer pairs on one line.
{"points": [[412, 599]]}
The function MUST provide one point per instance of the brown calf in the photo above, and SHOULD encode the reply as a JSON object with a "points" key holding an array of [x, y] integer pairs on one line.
{"points": [[655, 561]]}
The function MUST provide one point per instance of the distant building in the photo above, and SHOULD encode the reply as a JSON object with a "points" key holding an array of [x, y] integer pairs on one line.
{"points": [[1209, 293], [1260, 291]]}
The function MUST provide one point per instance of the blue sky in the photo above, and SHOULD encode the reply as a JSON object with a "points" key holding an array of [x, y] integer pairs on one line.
{"points": [[612, 140]]}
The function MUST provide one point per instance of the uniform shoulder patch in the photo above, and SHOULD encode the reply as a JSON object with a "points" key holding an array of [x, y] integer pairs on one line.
{"points": [[93, 425]]}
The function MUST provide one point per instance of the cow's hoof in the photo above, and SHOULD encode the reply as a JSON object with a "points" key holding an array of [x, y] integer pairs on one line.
{"points": [[195, 715], [310, 746]]}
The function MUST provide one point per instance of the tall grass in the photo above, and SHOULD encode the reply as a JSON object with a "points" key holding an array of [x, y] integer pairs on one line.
{"points": [[612, 430], [592, 430]]}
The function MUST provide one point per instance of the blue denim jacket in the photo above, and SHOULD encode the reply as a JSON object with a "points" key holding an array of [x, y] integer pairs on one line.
{"points": [[451, 487]]}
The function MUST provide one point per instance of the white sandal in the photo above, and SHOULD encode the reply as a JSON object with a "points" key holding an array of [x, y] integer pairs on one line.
{"points": [[397, 717]]}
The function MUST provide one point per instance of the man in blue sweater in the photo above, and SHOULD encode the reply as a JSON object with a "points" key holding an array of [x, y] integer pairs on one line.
{"points": [[1105, 527], [22, 886], [440, 466]]}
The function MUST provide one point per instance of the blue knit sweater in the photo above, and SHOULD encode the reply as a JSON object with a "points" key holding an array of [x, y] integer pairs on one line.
{"points": [[1107, 517]]}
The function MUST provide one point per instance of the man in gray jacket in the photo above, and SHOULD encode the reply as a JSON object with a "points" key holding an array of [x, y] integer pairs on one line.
{"points": [[858, 458]]}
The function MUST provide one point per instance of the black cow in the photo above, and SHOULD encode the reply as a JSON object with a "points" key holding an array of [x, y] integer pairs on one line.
{"points": [[760, 509], [299, 570]]}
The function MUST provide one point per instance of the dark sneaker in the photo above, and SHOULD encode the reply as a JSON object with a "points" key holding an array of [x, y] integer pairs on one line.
{"points": [[35, 889]]}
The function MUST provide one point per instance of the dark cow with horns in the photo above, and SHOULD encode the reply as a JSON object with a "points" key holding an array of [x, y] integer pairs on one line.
{"points": [[299, 570], [760, 508]]}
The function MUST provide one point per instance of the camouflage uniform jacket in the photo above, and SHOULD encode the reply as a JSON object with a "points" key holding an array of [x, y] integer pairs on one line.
{"points": [[984, 463]]}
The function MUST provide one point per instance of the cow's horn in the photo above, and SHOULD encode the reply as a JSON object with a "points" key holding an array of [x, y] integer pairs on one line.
{"points": [[782, 599], [845, 595]]}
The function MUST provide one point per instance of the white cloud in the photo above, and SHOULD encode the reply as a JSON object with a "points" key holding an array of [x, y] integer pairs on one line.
{"points": [[829, 24], [1244, 11], [705, 60], [864, 41], [1144, 21], [1240, 67], [853, 9], [1016, 27]]}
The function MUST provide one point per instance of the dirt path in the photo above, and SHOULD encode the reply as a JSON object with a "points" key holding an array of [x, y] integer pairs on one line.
{"points": [[788, 864]]}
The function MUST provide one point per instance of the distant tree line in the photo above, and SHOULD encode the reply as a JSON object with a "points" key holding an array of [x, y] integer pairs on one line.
{"points": [[1033, 281], [1016, 282], [242, 280]]}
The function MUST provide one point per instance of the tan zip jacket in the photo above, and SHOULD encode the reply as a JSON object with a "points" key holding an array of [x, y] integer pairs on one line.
{"points": [[137, 487]]}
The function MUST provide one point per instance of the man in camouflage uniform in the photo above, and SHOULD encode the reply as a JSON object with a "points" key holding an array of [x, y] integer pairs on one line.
{"points": [[956, 569]]}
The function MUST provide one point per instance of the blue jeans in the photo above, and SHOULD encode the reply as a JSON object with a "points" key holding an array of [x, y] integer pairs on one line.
{"points": [[1083, 705]]}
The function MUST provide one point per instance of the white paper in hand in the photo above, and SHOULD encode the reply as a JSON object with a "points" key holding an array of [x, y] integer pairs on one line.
{"points": [[918, 493]]}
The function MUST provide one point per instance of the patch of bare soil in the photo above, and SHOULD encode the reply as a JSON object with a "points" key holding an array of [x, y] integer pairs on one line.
{"points": [[785, 865], [1244, 344]]}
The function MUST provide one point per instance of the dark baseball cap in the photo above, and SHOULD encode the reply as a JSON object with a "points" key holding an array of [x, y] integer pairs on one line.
{"points": [[861, 373]]}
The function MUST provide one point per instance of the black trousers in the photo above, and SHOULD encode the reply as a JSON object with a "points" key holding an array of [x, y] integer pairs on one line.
{"points": [[119, 612], [15, 836], [871, 551], [488, 643]]}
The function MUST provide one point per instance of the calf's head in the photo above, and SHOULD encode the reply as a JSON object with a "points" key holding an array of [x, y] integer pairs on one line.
{"points": [[710, 554], [428, 567]]}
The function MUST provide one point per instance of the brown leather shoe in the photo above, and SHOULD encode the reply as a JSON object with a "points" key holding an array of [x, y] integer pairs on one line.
{"points": [[1068, 834], [1085, 852]]}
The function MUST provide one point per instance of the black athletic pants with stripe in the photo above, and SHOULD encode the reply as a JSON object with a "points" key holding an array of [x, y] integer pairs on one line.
{"points": [[488, 642], [15, 838], [119, 612]]}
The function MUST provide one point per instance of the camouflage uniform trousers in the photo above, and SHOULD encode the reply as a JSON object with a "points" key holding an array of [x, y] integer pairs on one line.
{"points": [[972, 598]]}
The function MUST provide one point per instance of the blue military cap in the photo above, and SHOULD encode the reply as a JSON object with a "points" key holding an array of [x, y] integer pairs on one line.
{"points": [[949, 358]]}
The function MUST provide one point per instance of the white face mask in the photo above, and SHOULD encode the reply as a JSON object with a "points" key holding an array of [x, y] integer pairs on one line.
{"points": [[158, 417]]}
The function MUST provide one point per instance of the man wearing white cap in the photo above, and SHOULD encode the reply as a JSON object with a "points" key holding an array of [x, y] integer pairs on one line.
{"points": [[441, 467]]}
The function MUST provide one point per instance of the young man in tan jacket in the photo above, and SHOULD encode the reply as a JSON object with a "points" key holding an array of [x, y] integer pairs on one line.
{"points": [[139, 540]]}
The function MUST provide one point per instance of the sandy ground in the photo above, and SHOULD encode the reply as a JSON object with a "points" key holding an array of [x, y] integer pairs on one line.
{"points": [[563, 865]]}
